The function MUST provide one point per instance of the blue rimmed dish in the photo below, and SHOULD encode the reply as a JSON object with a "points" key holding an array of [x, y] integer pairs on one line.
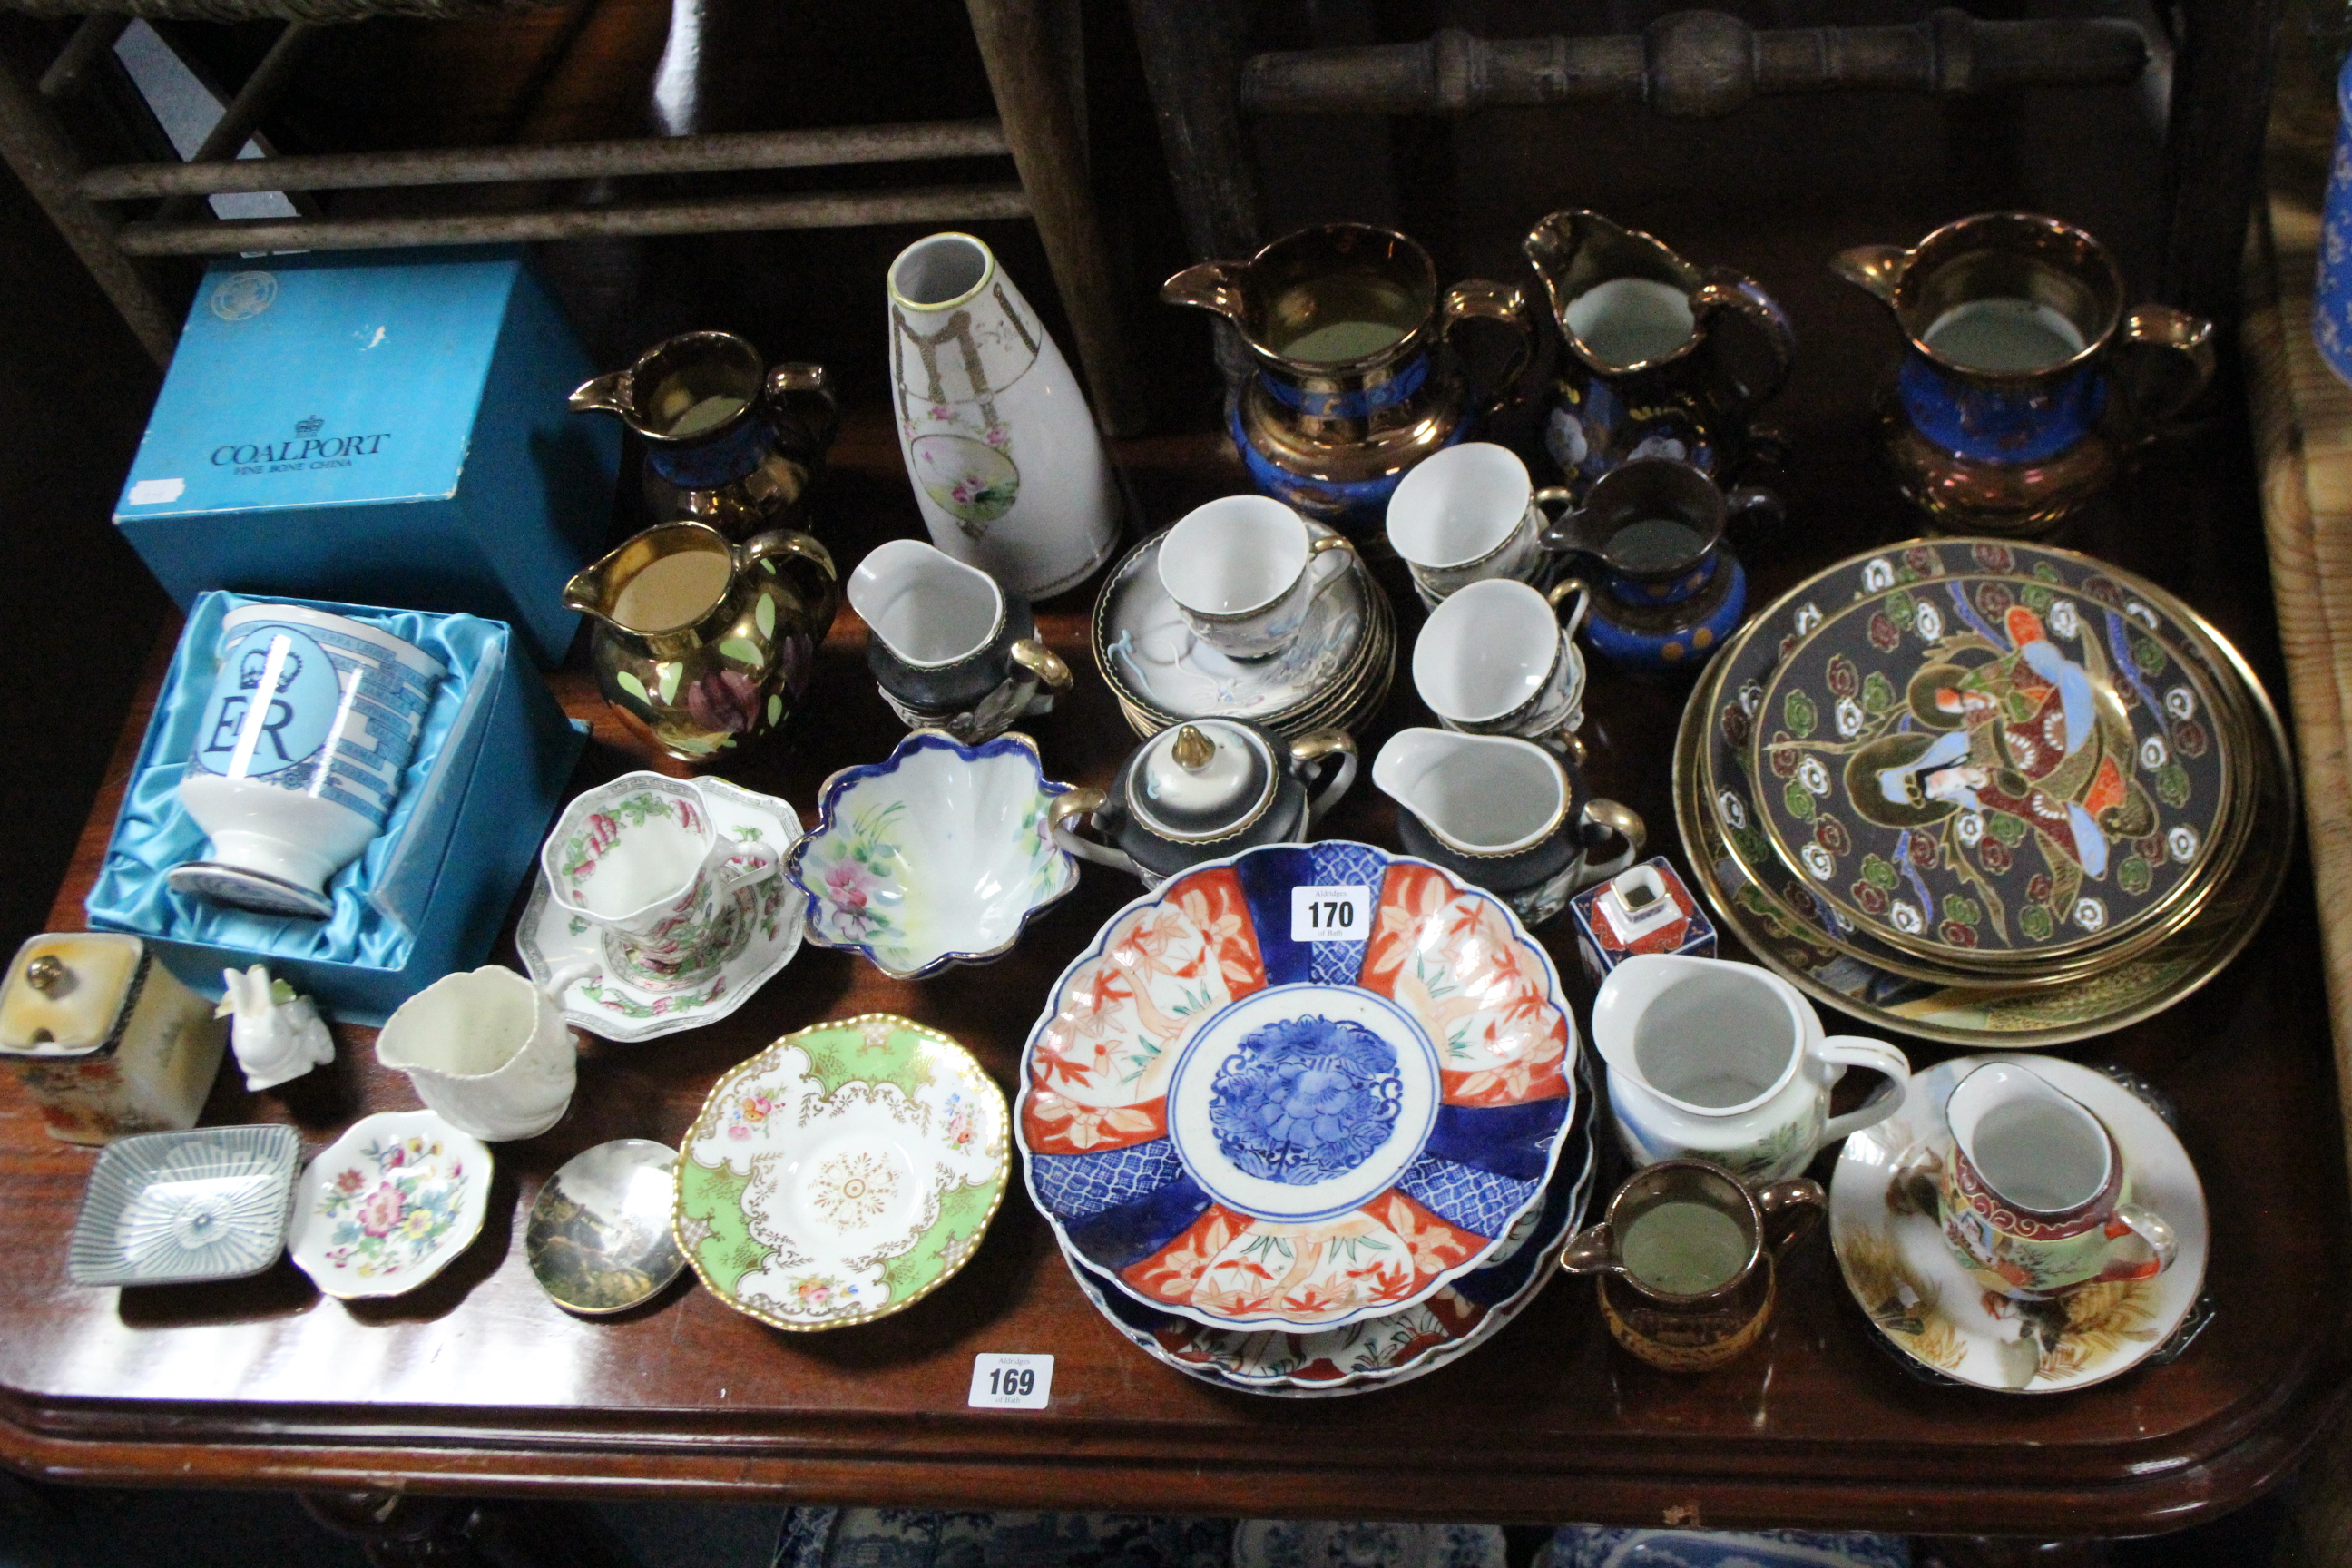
{"points": [[939, 855], [1304, 1086], [178, 1207]]}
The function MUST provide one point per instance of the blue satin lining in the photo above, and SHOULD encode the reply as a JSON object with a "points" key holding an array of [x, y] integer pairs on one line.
{"points": [[378, 896]]}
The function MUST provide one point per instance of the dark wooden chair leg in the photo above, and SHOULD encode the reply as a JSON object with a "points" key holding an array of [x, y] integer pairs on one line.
{"points": [[1025, 57]]}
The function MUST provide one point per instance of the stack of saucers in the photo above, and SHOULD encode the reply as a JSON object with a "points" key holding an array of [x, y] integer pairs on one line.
{"points": [[1986, 792], [1333, 675], [1312, 1155]]}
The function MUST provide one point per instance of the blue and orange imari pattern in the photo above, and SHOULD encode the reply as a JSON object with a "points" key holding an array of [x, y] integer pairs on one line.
{"points": [[1094, 1111]]}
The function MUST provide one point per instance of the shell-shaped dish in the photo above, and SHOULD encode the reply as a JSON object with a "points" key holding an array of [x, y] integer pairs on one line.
{"points": [[939, 855]]}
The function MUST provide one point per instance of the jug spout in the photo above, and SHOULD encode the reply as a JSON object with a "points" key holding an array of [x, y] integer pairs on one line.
{"points": [[590, 592], [1876, 270], [1210, 286], [1572, 251], [1628, 993], [614, 392], [1479, 795]]}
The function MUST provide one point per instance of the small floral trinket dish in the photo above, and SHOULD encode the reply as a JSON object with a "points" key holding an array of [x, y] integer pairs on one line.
{"points": [[389, 1205], [939, 855], [843, 1173], [1305, 1086], [175, 1207]]}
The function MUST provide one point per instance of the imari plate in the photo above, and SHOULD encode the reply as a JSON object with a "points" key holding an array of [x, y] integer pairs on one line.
{"points": [[172, 1207], [390, 1204], [1378, 1353], [1891, 1246], [1307, 1086], [1922, 744], [845, 1173]]}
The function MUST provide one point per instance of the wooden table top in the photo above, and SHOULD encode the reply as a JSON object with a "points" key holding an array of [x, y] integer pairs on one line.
{"points": [[477, 1382]]}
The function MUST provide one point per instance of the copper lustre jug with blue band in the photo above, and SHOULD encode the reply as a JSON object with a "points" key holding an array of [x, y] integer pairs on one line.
{"points": [[2024, 382], [1651, 370], [1356, 376], [728, 441]]}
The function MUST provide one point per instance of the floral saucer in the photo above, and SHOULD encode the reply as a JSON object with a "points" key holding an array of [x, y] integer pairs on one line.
{"points": [[1249, 1126], [1892, 1251], [940, 855], [389, 1205], [603, 1004], [1149, 655], [1378, 1353], [843, 1173]]}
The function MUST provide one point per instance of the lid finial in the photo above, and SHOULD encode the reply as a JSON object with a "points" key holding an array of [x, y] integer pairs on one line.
{"points": [[1192, 750], [46, 973]]}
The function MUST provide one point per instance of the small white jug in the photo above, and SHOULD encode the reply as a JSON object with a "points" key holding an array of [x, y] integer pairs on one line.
{"points": [[488, 1050], [1725, 1061]]}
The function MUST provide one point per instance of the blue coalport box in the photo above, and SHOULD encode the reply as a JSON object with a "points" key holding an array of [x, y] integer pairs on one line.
{"points": [[426, 896], [387, 428]]}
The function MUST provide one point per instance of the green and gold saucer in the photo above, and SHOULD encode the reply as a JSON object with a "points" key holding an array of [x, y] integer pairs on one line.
{"points": [[843, 1173]]}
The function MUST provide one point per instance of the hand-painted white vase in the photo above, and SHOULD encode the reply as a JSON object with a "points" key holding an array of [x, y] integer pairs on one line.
{"points": [[1007, 465]]}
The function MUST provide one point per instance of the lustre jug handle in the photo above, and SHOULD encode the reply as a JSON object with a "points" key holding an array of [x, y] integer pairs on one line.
{"points": [[1790, 1207], [796, 550], [1853, 1050], [1062, 819], [1476, 299], [2183, 344], [1052, 671], [810, 386], [1727, 292], [1876, 270], [1312, 748]]}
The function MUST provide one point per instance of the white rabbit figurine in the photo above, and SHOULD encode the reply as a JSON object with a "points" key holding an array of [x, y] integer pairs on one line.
{"points": [[277, 1035]]}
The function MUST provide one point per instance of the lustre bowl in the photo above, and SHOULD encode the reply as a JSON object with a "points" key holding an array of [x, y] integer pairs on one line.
{"points": [[939, 855], [1307, 1086]]}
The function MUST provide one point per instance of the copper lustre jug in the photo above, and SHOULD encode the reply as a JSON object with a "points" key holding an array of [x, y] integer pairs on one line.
{"points": [[1357, 379]]}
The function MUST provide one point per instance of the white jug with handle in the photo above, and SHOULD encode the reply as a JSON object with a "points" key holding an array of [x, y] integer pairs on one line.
{"points": [[1726, 1062], [488, 1050]]}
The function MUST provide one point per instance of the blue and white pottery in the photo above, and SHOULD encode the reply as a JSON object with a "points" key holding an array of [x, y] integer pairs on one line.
{"points": [[175, 1207], [2331, 313], [1307, 1086], [1605, 1546], [939, 855]]}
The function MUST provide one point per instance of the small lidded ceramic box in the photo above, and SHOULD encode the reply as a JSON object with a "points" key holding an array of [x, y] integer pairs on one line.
{"points": [[1642, 908], [109, 1041]]}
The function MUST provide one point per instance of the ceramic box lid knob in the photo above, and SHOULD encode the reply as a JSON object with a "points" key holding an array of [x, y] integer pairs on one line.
{"points": [[65, 993]]}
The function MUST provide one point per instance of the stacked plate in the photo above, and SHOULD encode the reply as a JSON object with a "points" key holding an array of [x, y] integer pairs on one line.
{"points": [[1335, 675], [1308, 1120], [1986, 792]]}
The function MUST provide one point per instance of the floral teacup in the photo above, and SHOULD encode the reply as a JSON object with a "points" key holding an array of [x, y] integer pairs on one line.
{"points": [[640, 858]]}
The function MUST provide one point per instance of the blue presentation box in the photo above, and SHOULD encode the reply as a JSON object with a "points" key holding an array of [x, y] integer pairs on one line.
{"points": [[387, 428], [428, 894]]}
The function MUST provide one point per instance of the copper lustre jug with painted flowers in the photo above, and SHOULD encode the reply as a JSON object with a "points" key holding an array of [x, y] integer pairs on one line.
{"points": [[702, 646]]}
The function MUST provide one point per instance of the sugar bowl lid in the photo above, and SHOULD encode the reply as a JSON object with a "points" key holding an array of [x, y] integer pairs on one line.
{"points": [[1201, 780]]}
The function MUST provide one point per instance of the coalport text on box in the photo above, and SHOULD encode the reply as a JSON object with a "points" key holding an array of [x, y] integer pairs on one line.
{"points": [[293, 456]]}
